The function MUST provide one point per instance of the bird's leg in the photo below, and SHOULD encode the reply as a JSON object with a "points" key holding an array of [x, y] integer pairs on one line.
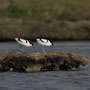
{"points": [[43, 49], [21, 48], [34, 49], [52, 47]]}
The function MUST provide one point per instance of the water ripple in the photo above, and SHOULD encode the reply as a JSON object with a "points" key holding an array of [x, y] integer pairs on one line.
{"points": [[53, 80]]}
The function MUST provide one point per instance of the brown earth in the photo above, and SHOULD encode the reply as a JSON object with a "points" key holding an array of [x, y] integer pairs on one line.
{"points": [[35, 62]]}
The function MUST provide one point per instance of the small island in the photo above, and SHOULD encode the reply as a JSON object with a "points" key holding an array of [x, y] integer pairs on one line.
{"points": [[39, 62]]}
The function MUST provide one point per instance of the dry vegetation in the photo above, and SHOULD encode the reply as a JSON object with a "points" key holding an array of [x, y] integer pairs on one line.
{"points": [[46, 10], [53, 19], [38, 62]]}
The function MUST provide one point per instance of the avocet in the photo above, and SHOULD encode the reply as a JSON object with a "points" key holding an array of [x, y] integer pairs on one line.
{"points": [[23, 42], [44, 42]]}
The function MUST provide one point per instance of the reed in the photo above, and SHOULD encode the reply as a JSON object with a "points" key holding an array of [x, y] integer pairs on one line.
{"points": [[46, 10], [65, 30], [53, 19]]}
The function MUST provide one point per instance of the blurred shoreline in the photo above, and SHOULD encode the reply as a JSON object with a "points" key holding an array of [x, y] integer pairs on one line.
{"points": [[56, 31], [57, 20]]}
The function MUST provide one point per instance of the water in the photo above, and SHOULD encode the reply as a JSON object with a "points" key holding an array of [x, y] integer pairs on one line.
{"points": [[53, 80]]}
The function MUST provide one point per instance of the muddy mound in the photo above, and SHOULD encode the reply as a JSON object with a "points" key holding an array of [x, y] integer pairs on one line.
{"points": [[34, 62]]}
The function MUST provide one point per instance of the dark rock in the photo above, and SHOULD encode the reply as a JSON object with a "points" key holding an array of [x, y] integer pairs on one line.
{"points": [[34, 62]]}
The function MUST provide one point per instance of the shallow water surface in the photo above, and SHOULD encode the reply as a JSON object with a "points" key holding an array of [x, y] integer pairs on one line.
{"points": [[53, 80]]}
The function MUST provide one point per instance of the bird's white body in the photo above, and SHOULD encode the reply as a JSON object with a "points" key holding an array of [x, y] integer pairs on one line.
{"points": [[44, 42], [24, 42]]}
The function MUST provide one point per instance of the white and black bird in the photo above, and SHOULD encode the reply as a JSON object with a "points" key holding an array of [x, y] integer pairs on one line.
{"points": [[23, 42], [44, 42]]}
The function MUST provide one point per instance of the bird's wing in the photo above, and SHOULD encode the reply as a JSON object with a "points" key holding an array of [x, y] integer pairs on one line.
{"points": [[23, 41], [44, 40]]}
